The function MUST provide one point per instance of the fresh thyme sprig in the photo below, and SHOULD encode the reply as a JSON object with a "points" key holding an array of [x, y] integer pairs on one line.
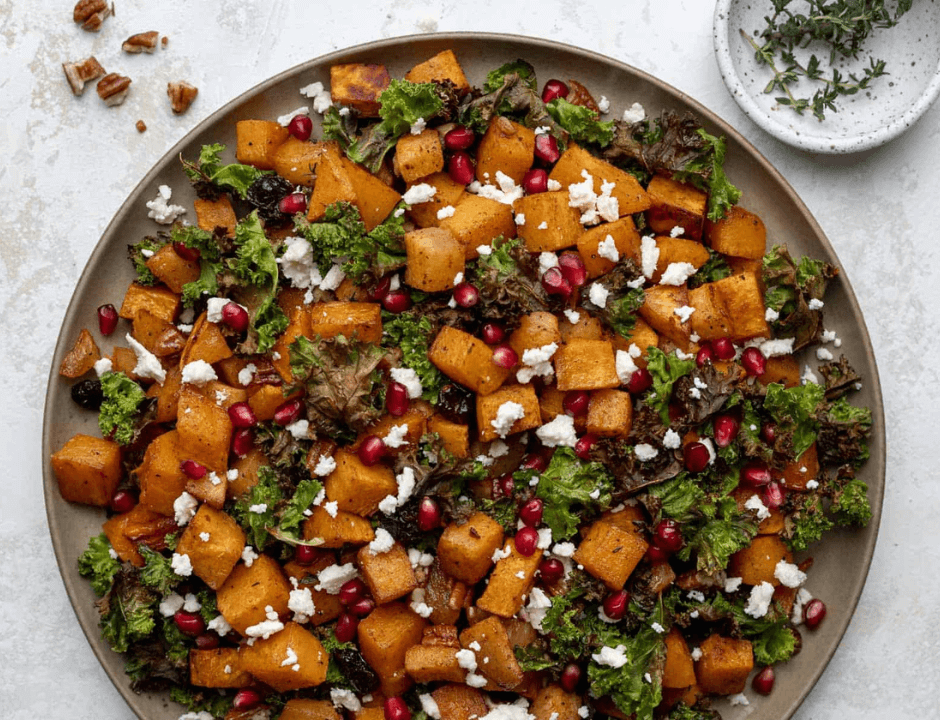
{"points": [[841, 26]]}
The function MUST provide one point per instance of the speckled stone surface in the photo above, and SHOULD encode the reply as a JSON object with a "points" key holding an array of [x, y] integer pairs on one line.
{"points": [[68, 164]]}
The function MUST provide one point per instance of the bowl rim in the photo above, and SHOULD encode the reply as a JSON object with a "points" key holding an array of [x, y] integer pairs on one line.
{"points": [[50, 485], [832, 145]]}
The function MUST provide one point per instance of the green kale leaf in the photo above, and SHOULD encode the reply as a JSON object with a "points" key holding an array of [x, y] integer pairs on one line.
{"points": [[127, 612], [684, 712], [715, 268], [496, 78], [96, 562], [514, 97], [571, 489], [850, 505], [622, 312], [341, 128], [807, 523], [210, 264], [665, 369], [581, 123], [502, 511], [790, 287], [412, 333], [157, 571], [562, 627], [774, 645], [293, 512], [681, 498], [707, 173], [198, 700], [508, 282], [794, 410], [255, 512], [724, 531], [533, 658], [843, 433], [209, 169], [118, 413], [140, 253]]}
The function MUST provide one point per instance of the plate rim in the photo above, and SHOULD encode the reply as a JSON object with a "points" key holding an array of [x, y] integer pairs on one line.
{"points": [[50, 485]]}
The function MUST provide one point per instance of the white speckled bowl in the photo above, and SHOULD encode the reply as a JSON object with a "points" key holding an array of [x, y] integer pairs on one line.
{"points": [[866, 120]]}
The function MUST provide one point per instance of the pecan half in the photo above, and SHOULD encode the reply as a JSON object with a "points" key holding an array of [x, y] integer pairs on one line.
{"points": [[91, 13], [181, 95], [79, 73], [141, 126], [112, 88], [141, 42]]}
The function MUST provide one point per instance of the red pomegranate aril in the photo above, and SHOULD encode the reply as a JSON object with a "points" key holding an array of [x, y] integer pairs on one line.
{"points": [[754, 362], [531, 512], [506, 485], [466, 295], [504, 357], [207, 641], [695, 456], [615, 604], [669, 535], [378, 293], [773, 495], [724, 348], [123, 501], [763, 682], [768, 431], [726, 429], [460, 138], [235, 316], [242, 416], [527, 540], [187, 253], [293, 203], [396, 399], [572, 267], [555, 282], [705, 354], [460, 168], [189, 623], [300, 126], [346, 626], [243, 441], [372, 450], [570, 677], [640, 381], [107, 319], [551, 570], [305, 554], [492, 334], [352, 591], [362, 607], [396, 709], [193, 470], [553, 90], [289, 412], [535, 462], [535, 181], [429, 514], [755, 474], [584, 445], [814, 612], [656, 554], [546, 148], [576, 402], [396, 301], [246, 699]]}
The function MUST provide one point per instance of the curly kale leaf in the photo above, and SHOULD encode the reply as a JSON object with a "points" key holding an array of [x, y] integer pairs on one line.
{"points": [[496, 78], [119, 411], [665, 369], [412, 334], [719, 531], [571, 489], [199, 700], [679, 498], [707, 173], [210, 261], [256, 510], [292, 513], [157, 572], [127, 612], [684, 712], [208, 169], [142, 251], [562, 626], [533, 658], [515, 98], [807, 522], [795, 411], [507, 279], [843, 433], [96, 562], [850, 504], [340, 127], [581, 123], [790, 287], [715, 268]]}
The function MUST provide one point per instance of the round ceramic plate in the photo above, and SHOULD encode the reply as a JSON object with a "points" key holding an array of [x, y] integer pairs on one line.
{"points": [[865, 120], [834, 578]]}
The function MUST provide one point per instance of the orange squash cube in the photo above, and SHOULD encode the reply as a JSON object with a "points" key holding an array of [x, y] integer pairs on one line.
{"points": [[506, 147], [724, 665], [358, 488], [82, 357], [631, 197], [210, 214], [449, 192], [459, 702], [360, 86], [679, 671], [159, 476], [488, 411], [739, 233], [510, 582], [586, 365], [246, 593], [562, 223], [389, 575], [434, 259], [345, 528], [610, 553], [675, 204], [384, 638], [756, 563], [296, 161], [351, 319], [610, 413], [88, 469], [503, 669], [626, 239], [305, 709], [256, 141], [466, 551], [214, 543], [205, 430], [158, 300], [478, 221], [466, 359], [268, 659], [442, 67], [218, 668], [417, 156]]}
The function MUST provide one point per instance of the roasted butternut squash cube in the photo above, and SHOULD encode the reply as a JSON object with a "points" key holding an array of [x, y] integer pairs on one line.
{"points": [[610, 413], [724, 665], [586, 365], [756, 563], [414, 420], [643, 336], [610, 553], [88, 469], [205, 430], [502, 669], [675, 204], [225, 395], [374, 198], [210, 214], [266, 399], [454, 436], [256, 141], [710, 319], [678, 250], [631, 197], [434, 663], [124, 360], [448, 193], [358, 488], [210, 489], [351, 319], [327, 607], [797, 473], [744, 304], [171, 269], [466, 359], [148, 329], [459, 702], [535, 330], [345, 528], [214, 543], [466, 551], [510, 581], [384, 637], [332, 183], [434, 259], [478, 221], [158, 300], [246, 593], [267, 660], [781, 369], [506, 147], [296, 161], [417, 156], [445, 596], [552, 404], [622, 233], [660, 304], [205, 342], [247, 467], [389, 575], [139, 526], [679, 671], [305, 709], [159, 476], [489, 423], [218, 668], [739, 233], [553, 703], [167, 395], [442, 67], [360, 86], [82, 357], [562, 223]]}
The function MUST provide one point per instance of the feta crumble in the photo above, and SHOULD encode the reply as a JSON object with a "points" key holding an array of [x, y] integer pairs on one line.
{"points": [[789, 574], [558, 432], [598, 295], [758, 601], [198, 372], [506, 416], [420, 193], [645, 452], [161, 210], [383, 542], [634, 114], [607, 249], [148, 365], [446, 212], [409, 378], [649, 255], [396, 436], [677, 273], [181, 565], [184, 508], [325, 465]]}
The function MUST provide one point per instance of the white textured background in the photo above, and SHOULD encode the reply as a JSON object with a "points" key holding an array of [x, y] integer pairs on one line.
{"points": [[66, 165]]}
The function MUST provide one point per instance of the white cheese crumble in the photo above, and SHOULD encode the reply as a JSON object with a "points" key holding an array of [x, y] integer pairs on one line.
{"points": [[598, 295], [284, 120], [160, 208], [171, 604], [574, 317], [611, 657], [758, 601], [520, 219], [789, 574], [649, 255], [429, 705], [815, 304], [246, 374], [184, 508], [333, 278], [220, 625], [823, 354], [332, 578], [696, 654], [383, 542], [204, 536], [446, 212], [537, 607], [181, 565], [672, 440], [345, 699], [732, 584], [103, 366], [803, 596], [677, 273], [418, 126], [214, 308], [249, 555], [418, 604], [325, 465], [506, 416], [607, 249], [739, 699], [770, 315], [500, 553], [545, 539], [558, 432], [684, 312], [409, 378], [542, 225], [755, 503], [537, 361], [564, 549], [776, 348], [507, 191], [466, 659], [625, 366], [645, 452], [547, 261], [634, 114], [198, 372], [420, 193], [299, 429], [258, 509], [332, 508], [148, 365], [396, 436]]}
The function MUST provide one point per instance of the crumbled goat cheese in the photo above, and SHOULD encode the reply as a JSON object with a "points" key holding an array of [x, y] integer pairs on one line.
{"points": [[181, 565], [285, 119], [429, 705], [332, 508], [498, 449], [758, 601], [755, 503], [823, 354], [545, 539], [333, 278], [148, 365], [184, 508], [775, 348], [829, 336], [220, 625], [388, 505], [520, 219], [506, 416], [634, 114], [808, 376], [789, 574], [537, 607], [547, 261], [500, 553], [258, 509], [332, 578], [625, 366], [770, 315], [396, 436], [645, 452], [564, 549], [484, 250], [649, 255], [707, 442], [607, 248], [467, 659], [191, 603], [409, 378], [739, 699], [803, 596], [537, 361], [542, 226], [812, 484], [201, 715], [553, 185], [247, 374], [214, 308], [171, 604], [815, 304], [345, 699], [420, 193], [558, 432], [603, 104], [677, 273], [684, 312], [598, 295], [296, 264], [301, 604], [418, 126], [249, 555], [103, 366], [290, 657], [732, 584], [676, 231], [696, 595], [574, 317], [584, 712], [325, 465], [672, 440], [696, 654], [446, 212], [475, 681], [204, 536], [299, 429], [383, 542], [611, 657], [198, 372], [507, 191], [160, 208]]}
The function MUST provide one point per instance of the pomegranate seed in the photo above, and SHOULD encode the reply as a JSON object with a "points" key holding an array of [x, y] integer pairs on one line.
{"points": [[723, 348], [763, 682], [535, 181], [207, 641], [531, 512], [754, 362], [123, 501], [773, 495], [300, 126], [555, 282], [460, 168], [378, 293], [346, 626], [570, 677], [551, 570], [429, 515], [235, 316], [352, 591], [396, 399], [535, 462], [396, 709], [506, 485], [755, 474], [293, 203], [669, 535], [466, 295], [705, 354], [656, 554], [192, 469], [243, 441], [289, 412], [304, 554], [726, 429], [814, 612], [546, 148], [527, 540], [584, 445], [640, 381], [572, 267], [396, 301], [615, 604], [769, 432], [362, 607], [554, 89], [695, 456], [492, 333], [576, 402], [242, 416], [460, 138], [504, 356], [187, 253], [246, 699], [372, 450], [107, 319], [189, 623], [799, 641]]}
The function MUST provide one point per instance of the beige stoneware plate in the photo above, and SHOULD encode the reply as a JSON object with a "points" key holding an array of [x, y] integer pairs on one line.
{"points": [[841, 560]]}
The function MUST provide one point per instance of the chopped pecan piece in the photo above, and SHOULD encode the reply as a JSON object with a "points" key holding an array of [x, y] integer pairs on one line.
{"points": [[79, 73], [91, 13], [141, 42], [580, 95], [141, 126], [112, 88], [181, 95]]}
